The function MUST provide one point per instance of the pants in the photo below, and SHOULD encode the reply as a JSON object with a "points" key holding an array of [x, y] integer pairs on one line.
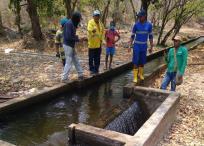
{"points": [[169, 77], [94, 59], [139, 54], [71, 56]]}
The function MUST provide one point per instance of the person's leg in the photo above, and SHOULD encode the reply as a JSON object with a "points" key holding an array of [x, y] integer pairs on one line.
{"points": [[111, 59], [77, 64], [97, 59], [166, 80], [142, 61], [112, 52], [91, 60], [135, 61], [173, 82], [106, 65], [68, 54]]}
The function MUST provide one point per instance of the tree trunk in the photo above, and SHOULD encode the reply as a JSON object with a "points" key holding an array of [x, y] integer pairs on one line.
{"points": [[133, 9], [1, 25], [36, 29], [116, 13], [163, 42], [145, 5], [18, 18], [105, 12], [68, 8]]}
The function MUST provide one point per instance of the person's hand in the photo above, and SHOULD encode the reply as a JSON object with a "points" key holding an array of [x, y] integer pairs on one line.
{"points": [[150, 49], [180, 78], [129, 49], [94, 30]]}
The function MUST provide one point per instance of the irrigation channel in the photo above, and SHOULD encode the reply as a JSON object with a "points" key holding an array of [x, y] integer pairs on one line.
{"points": [[46, 123]]}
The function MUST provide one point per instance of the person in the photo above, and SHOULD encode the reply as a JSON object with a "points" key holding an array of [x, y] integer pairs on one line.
{"points": [[176, 63], [140, 33], [69, 40], [110, 35], [95, 37], [59, 41]]}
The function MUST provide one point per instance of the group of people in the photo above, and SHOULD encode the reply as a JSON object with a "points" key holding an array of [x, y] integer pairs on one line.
{"points": [[66, 38]]}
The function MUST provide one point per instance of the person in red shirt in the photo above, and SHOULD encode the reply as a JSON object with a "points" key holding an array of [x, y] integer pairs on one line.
{"points": [[110, 36]]}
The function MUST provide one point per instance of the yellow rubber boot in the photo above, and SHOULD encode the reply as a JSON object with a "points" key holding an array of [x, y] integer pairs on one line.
{"points": [[141, 73], [135, 73]]}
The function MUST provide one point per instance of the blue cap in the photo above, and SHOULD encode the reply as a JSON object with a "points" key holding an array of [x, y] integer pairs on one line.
{"points": [[96, 13], [141, 13], [63, 21]]}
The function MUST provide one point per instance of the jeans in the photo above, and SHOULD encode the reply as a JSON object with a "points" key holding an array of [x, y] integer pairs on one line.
{"points": [[94, 59], [169, 77], [71, 56]]}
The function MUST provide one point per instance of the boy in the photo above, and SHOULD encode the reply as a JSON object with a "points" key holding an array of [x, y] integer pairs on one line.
{"points": [[59, 40], [110, 43]]}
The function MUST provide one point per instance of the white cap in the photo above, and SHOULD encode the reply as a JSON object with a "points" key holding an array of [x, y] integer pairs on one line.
{"points": [[96, 12], [178, 38]]}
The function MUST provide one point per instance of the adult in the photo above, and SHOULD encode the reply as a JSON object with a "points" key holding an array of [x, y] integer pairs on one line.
{"points": [[69, 40], [95, 37], [142, 30], [176, 63]]}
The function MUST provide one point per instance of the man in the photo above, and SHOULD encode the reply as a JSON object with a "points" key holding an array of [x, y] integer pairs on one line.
{"points": [[69, 40], [110, 37], [176, 63], [59, 41], [140, 33], [95, 37]]}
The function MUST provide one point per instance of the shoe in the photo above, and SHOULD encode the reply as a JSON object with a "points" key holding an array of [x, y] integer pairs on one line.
{"points": [[135, 74], [141, 73], [65, 81]]}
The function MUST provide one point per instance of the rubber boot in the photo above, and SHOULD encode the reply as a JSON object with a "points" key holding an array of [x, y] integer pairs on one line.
{"points": [[135, 74], [141, 73]]}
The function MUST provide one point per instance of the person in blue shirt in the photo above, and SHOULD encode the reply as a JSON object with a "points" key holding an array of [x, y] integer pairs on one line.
{"points": [[69, 40], [141, 32]]}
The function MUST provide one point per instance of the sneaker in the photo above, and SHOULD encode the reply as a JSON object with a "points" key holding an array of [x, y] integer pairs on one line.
{"points": [[64, 80]]}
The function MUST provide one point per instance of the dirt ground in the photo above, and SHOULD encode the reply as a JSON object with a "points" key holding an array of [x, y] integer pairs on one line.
{"points": [[188, 129]]}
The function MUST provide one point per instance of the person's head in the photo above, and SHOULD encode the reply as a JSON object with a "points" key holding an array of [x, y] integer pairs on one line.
{"points": [[96, 15], [142, 16], [177, 40], [76, 18], [112, 25], [63, 21]]}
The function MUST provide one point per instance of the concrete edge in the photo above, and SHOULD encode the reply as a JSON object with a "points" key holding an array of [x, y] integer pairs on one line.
{"points": [[96, 136], [3, 143], [160, 121]]}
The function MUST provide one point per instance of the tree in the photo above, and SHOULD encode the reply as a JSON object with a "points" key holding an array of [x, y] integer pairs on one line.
{"points": [[185, 10], [32, 11], [1, 25], [70, 7], [105, 12], [133, 9], [16, 8]]}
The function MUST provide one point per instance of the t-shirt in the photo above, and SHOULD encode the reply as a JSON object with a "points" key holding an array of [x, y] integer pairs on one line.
{"points": [[110, 37]]}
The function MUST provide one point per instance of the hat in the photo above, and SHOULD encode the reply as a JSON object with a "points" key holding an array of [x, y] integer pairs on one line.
{"points": [[141, 13], [96, 12], [177, 37], [63, 21]]}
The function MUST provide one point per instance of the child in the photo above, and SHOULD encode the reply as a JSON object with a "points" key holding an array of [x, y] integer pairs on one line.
{"points": [[110, 43], [59, 40]]}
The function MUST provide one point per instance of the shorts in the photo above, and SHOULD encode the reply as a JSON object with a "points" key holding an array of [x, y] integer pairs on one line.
{"points": [[110, 51], [139, 57]]}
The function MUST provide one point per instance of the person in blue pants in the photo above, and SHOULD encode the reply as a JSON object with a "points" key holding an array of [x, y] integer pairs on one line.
{"points": [[142, 30]]}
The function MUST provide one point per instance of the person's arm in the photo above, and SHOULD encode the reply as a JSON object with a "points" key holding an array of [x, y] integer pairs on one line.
{"points": [[151, 39], [117, 34], [133, 35], [184, 63]]}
